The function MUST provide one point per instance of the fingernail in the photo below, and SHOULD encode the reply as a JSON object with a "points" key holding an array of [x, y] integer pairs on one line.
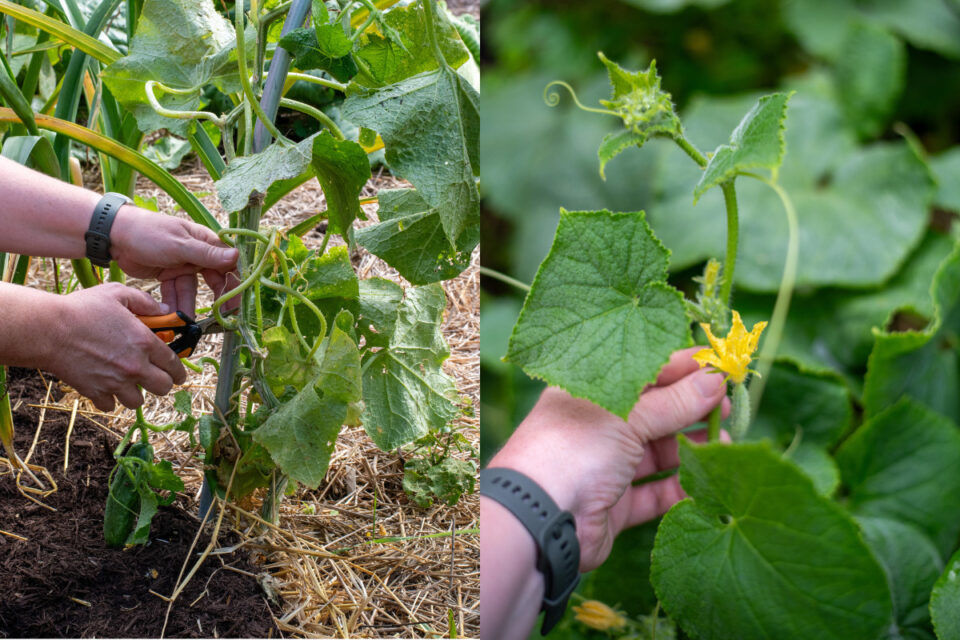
{"points": [[164, 308], [707, 383], [228, 254]]}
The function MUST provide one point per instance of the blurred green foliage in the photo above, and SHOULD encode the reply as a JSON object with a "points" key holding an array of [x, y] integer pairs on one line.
{"points": [[866, 72]]}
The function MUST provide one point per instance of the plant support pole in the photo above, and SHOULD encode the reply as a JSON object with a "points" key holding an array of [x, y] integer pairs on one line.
{"points": [[279, 66]]}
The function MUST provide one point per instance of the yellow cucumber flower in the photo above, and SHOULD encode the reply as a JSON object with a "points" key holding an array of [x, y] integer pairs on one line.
{"points": [[599, 616], [732, 354]]}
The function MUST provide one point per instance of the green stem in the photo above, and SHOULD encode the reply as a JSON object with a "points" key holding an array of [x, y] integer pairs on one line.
{"points": [[713, 424], [323, 82], [326, 239], [733, 235], [302, 298], [264, 24], [240, 288], [691, 150], [502, 277], [315, 113], [179, 115], [782, 305], [245, 81]]}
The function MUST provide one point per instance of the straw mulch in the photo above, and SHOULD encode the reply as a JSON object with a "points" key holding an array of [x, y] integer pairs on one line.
{"points": [[368, 589]]}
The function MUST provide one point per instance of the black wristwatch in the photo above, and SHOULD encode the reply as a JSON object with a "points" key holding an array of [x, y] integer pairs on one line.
{"points": [[98, 235], [555, 532]]}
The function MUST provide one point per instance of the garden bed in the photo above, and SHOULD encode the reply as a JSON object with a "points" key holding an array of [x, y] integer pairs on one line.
{"points": [[61, 580]]}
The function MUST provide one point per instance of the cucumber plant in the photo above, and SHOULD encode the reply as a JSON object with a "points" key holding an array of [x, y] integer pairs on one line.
{"points": [[312, 347], [843, 527]]}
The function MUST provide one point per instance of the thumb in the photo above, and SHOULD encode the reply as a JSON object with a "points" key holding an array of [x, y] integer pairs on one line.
{"points": [[209, 256], [139, 302], [662, 411]]}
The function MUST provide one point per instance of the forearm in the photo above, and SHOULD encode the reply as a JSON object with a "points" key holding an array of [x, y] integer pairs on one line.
{"points": [[30, 326], [511, 588], [40, 215]]}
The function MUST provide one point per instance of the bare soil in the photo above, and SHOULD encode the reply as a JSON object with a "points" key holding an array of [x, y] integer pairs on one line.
{"points": [[63, 581]]}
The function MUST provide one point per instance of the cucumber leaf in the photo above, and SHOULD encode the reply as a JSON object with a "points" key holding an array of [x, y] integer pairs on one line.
{"points": [[430, 125], [301, 434], [922, 364], [945, 601], [410, 238], [781, 561], [405, 390], [184, 44], [408, 53], [599, 320], [912, 565], [901, 464], [756, 143]]}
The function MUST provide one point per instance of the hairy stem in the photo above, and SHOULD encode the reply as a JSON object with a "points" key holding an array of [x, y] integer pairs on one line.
{"points": [[245, 80], [323, 118], [691, 150], [502, 277], [713, 424], [733, 237], [782, 306]]}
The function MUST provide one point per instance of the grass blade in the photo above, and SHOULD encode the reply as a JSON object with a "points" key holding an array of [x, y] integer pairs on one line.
{"points": [[61, 30], [132, 157]]}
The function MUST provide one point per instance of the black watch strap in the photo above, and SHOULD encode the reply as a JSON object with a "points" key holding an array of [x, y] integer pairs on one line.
{"points": [[98, 235], [558, 551]]}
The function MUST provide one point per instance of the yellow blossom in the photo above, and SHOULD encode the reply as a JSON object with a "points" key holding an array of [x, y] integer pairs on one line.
{"points": [[597, 615], [732, 354]]}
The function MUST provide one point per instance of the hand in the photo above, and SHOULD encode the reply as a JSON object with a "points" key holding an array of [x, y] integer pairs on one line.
{"points": [[586, 458], [103, 350], [171, 250]]}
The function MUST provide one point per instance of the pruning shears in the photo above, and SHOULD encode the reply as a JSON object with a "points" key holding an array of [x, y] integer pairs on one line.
{"points": [[180, 331]]}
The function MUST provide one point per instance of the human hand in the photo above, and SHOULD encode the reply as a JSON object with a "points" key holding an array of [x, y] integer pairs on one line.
{"points": [[173, 251], [586, 458], [102, 350]]}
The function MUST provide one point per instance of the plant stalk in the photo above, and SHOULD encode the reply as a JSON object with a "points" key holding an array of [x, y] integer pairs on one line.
{"points": [[733, 237], [782, 305]]}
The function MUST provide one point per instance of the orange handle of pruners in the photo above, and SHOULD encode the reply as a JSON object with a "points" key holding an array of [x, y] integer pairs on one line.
{"points": [[169, 326]]}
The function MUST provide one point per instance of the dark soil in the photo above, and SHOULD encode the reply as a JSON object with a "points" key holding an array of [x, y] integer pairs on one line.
{"points": [[65, 556]]}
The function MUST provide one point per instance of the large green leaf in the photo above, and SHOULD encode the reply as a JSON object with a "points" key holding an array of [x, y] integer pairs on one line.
{"points": [[946, 167], [599, 320], [184, 44], [779, 560], [821, 25], [430, 127], [405, 390], [311, 54], [247, 175], [286, 362], [756, 143], [945, 601], [410, 238], [922, 364], [301, 434], [870, 76], [912, 565], [902, 465], [376, 310], [860, 212], [389, 61], [342, 169], [815, 409]]}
